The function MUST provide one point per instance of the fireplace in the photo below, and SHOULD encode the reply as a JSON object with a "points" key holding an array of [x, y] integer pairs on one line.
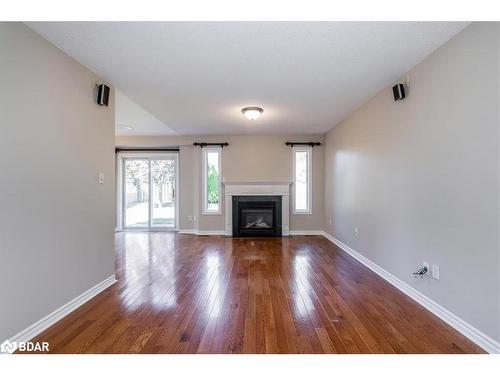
{"points": [[257, 215]]}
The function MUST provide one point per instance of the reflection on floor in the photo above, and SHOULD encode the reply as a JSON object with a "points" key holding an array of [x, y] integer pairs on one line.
{"points": [[137, 215], [188, 294]]}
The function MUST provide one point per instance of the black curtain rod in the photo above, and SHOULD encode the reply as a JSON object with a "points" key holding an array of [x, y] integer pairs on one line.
{"points": [[312, 144], [204, 144], [152, 149]]}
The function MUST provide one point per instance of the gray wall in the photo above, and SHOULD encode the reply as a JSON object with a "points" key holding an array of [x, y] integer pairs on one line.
{"points": [[248, 158], [56, 221], [420, 178]]}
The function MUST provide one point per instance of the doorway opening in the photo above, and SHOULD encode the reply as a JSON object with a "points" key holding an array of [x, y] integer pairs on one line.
{"points": [[148, 186]]}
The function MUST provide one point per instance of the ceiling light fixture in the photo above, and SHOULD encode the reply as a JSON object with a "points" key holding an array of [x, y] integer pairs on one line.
{"points": [[252, 113]]}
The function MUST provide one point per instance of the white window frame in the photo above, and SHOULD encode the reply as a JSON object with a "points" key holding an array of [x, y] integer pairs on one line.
{"points": [[307, 149], [206, 150]]}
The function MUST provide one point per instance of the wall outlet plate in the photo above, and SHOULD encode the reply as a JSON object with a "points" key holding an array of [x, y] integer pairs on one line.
{"points": [[356, 232], [435, 272]]}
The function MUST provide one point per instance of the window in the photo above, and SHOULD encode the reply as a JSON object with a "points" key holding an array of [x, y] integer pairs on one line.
{"points": [[302, 179], [211, 180]]}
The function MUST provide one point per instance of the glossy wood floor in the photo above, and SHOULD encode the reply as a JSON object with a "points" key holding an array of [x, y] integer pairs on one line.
{"points": [[188, 294]]}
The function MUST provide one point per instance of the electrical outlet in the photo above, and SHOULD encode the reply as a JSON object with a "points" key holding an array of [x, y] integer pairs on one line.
{"points": [[356, 232], [330, 221], [190, 218], [194, 218], [100, 178], [435, 272]]}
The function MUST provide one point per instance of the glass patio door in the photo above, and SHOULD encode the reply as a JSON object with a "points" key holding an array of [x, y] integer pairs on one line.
{"points": [[149, 192], [163, 193], [136, 192]]}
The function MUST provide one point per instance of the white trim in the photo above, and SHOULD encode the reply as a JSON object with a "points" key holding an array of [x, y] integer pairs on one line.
{"points": [[307, 149], [472, 333], [210, 233], [306, 233], [205, 150], [188, 231], [202, 232], [52, 318], [119, 193], [177, 192], [220, 232], [257, 183], [152, 230]]}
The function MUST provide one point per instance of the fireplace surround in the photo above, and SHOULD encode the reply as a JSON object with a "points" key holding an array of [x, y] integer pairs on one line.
{"points": [[259, 190], [257, 216]]}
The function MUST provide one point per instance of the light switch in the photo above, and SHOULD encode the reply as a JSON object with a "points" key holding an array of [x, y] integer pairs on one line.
{"points": [[101, 178]]}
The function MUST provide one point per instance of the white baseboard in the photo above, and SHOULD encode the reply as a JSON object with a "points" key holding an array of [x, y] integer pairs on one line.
{"points": [[472, 333], [222, 233], [211, 233], [187, 231], [306, 233], [202, 232], [47, 321]]}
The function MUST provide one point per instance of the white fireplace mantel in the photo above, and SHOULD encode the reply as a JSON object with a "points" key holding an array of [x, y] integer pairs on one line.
{"points": [[257, 188]]}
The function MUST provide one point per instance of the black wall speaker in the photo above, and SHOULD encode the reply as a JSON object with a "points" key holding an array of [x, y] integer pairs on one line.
{"points": [[398, 91], [103, 94]]}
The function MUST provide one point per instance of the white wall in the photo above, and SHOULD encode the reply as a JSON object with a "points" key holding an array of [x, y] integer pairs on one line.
{"points": [[420, 178], [56, 221]]}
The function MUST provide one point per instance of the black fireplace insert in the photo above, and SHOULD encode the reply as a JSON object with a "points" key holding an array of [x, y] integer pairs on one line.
{"points": [[257, 215]]}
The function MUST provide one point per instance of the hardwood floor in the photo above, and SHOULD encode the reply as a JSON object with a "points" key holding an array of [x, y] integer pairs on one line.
{"points": [[187, 294]]}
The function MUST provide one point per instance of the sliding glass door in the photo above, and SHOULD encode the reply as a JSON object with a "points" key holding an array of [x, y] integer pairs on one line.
{"points": [[136, 193], [163, 193], [149, 191]]}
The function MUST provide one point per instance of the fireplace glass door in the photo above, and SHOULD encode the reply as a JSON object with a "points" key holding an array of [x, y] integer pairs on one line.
{"points": [[255, 218]]}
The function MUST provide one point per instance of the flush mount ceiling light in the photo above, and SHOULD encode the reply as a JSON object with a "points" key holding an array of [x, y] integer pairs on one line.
{"points": [[252, 113]]}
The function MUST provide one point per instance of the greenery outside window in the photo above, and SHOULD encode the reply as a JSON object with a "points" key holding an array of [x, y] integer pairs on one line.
{"points": [[302, 180], [212, 180]]}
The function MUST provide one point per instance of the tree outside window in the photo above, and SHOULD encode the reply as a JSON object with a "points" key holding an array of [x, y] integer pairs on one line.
{"points": [[212, 180]]}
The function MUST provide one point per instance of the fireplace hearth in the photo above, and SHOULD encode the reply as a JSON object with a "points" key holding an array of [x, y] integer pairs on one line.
{"points": [[257, 216]]}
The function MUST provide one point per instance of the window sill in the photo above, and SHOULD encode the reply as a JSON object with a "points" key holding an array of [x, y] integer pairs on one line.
{"points": [[302, 213], [212, 213]]}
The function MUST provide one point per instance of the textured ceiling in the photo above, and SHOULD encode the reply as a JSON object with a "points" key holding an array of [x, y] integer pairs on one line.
{"points": [[194, 77]]}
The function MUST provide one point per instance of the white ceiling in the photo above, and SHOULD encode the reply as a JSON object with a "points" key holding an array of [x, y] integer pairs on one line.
{"points": [[130, 114], [194, 77]]}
